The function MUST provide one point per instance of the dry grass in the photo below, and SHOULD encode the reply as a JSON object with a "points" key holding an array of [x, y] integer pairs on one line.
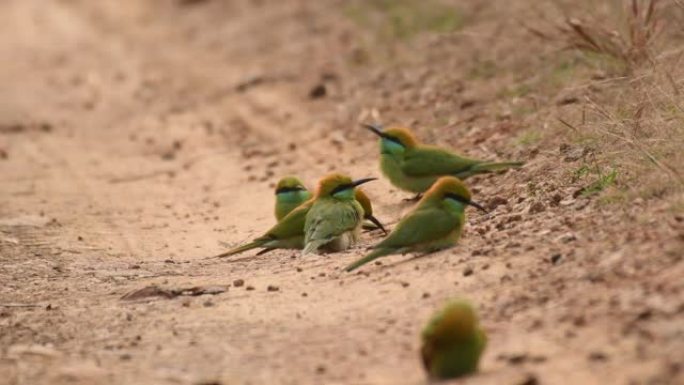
{"points": [[631, 115], [630, 40], [631, 44]]}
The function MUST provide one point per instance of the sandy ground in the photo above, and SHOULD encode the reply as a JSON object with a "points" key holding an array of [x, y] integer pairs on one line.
{"points": [[135, 137]]}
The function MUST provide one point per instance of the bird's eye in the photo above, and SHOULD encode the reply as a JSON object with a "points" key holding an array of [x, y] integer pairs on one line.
{"points": [[342, 187], [393, 140], [283, 190], [456, 198]]}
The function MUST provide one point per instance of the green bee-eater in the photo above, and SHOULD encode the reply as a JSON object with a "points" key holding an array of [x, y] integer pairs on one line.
{"points": [[291, 192], [434, 224], [412, 166], [334, 220], [453, 342]]}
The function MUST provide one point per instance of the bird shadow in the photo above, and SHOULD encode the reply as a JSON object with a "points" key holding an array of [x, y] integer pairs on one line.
{"points": [[384, 267]]}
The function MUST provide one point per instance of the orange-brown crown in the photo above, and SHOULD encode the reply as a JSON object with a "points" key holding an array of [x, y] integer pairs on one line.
{"points": [[330, 182], [403, 135], [457, 320], [448, 185]]}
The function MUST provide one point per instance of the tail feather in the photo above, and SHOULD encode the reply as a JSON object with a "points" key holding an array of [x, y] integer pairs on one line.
{"points": [[375, 254], [240, 249], [372, 223], [495, 166]]}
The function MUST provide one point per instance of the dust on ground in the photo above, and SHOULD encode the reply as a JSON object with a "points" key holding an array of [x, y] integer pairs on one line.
{"points": [[135, 137]]}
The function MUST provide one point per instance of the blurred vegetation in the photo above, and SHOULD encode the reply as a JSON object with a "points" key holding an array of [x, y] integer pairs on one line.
{"points": [[403, 19], [599, 179]]}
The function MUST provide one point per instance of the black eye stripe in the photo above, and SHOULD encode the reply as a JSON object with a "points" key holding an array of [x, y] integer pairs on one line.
{"points": [[289, 189], [342, 187], [457, 198], [393, 139]]}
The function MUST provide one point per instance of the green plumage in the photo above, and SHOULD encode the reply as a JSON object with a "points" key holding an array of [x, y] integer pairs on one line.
{"points": [[414, 167], [290, 193], [332, 224], [334, 221], [453, 342], [418, 168], [286, 234], [427, 229], [285, 203], [435, 223]]}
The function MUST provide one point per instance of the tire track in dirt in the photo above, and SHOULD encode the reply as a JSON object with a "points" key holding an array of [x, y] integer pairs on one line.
{"points": [[174, 205]]}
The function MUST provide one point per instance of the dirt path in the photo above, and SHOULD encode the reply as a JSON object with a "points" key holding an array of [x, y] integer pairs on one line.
{"points": [[132, 151]]}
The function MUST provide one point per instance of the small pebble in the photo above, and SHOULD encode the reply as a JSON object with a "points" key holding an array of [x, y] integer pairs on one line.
{"points": [[272, 288], [598, 356], [238, 282], [318, 91]]}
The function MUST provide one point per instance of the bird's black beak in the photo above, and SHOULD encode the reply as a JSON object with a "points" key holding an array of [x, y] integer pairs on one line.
{"points": [[477, 205], [374, 128], [359, 182], [377, 223]]}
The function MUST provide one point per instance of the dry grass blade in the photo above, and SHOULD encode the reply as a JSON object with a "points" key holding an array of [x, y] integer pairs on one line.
{"points": [[651, 11], [632, 46], [576, 26], [670, 171], [570, 126], [536, 32]]}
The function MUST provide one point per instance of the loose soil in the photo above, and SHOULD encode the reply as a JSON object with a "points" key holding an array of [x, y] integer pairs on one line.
{"points": [[138, 138]]}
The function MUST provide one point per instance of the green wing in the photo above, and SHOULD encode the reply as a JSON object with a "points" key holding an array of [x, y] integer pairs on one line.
{"points": [[421, 226], [327, 220], [291, 225], [429, 161]]}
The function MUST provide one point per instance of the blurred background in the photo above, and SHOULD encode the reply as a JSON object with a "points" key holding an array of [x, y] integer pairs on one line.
{"points": [[137, 135]]}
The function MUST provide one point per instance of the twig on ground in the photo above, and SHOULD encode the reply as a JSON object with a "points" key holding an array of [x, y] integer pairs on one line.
{"points": [[19, 305]]}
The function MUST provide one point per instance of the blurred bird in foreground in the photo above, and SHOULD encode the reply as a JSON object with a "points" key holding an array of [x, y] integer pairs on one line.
{"points": [[434, 224], [414, 167], [334, 220], [291, 192], [453, 342]]}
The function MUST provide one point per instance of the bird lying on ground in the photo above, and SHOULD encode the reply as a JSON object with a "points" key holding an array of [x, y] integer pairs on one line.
{"points": [[434, 224]]}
